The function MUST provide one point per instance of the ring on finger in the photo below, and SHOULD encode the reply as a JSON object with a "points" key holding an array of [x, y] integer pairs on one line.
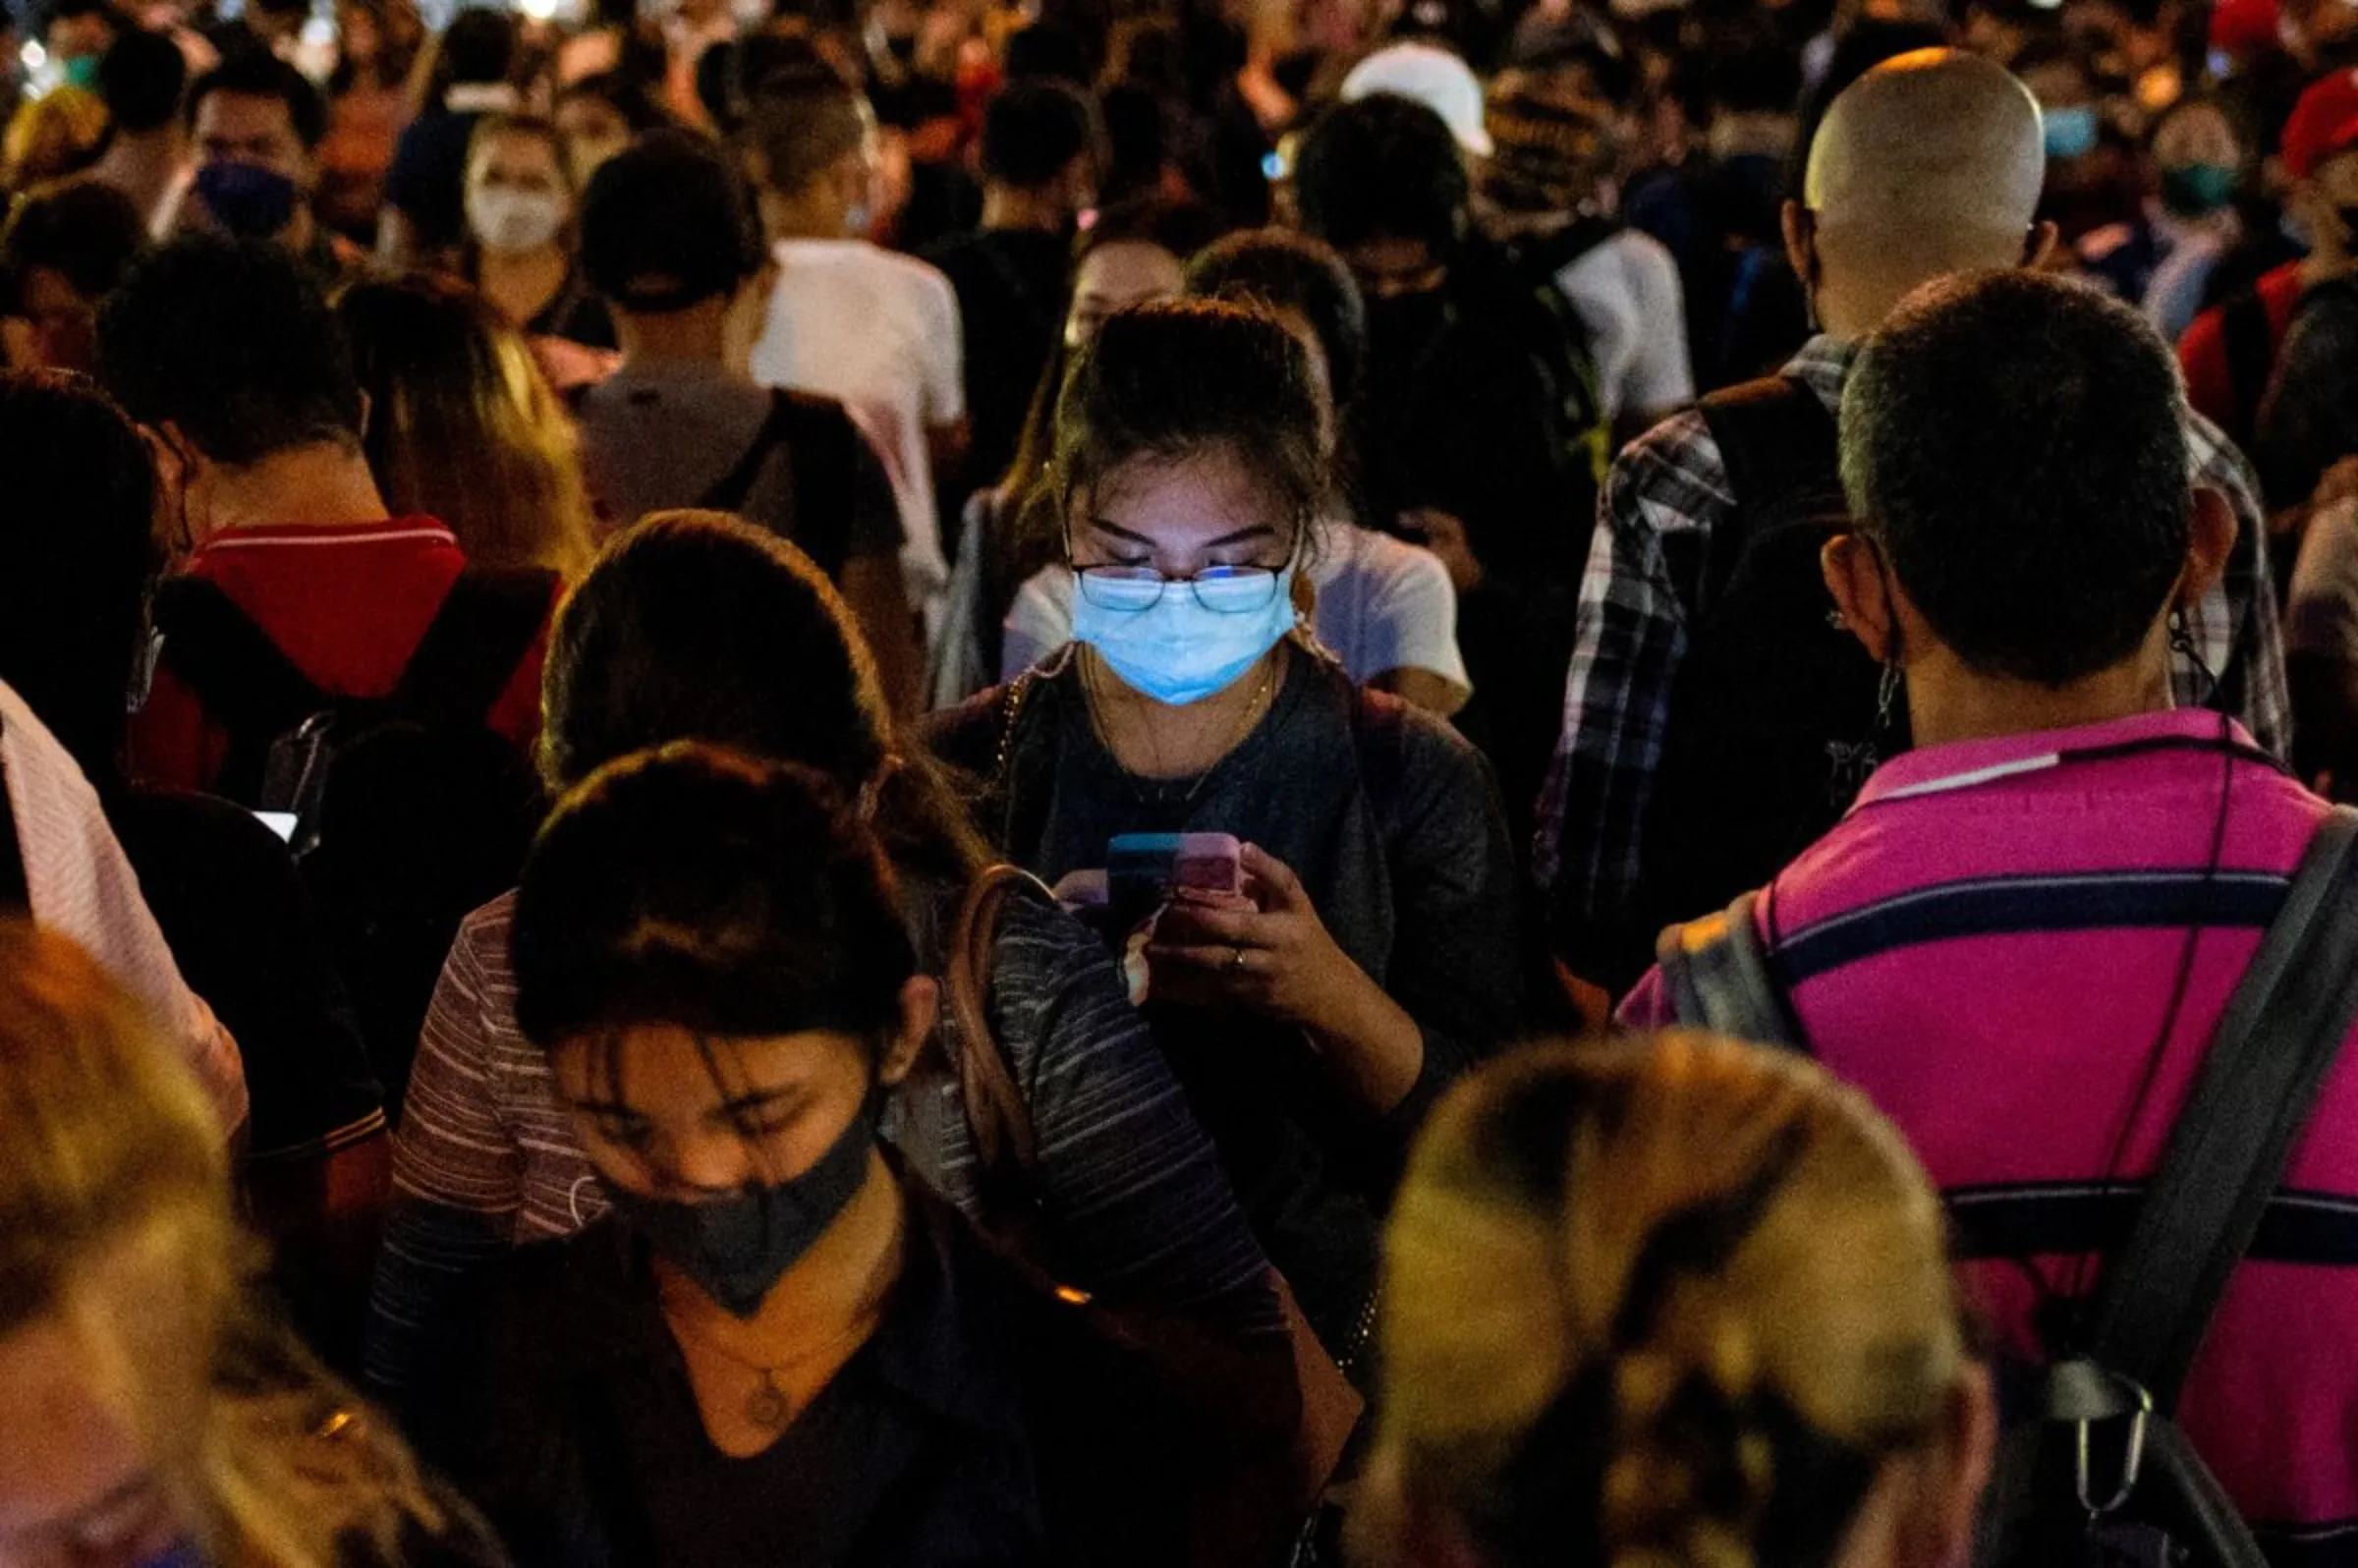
{"points": [[1236, 961]]}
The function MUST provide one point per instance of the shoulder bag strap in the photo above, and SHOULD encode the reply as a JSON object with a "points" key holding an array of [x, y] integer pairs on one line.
{"points": [[1006, 1148], [734, 486], [475, 642], [1716, 975], [2284, 1029]]}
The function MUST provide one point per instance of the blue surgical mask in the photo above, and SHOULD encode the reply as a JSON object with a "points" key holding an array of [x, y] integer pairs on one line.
{"points": [[2070, 133], [2195, 190], [248, 200], [1177, 650]]}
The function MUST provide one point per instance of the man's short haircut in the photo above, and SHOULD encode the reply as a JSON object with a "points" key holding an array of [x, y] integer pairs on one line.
{"points": [[258, 73], [802, 125], [233, 342], [1380, 168], [668, 223], [142, 77], [85, 231], [1281, 270], [1033, 131], [2017, 446]]}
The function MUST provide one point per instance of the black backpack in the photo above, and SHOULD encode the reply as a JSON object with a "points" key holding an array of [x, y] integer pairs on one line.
{"points": [[2093, 1471], [1774, 718], [406, 811], [1514, 290]]}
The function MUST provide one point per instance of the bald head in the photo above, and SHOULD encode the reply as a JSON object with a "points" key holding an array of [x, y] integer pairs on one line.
{"points": [[1931, 163]]}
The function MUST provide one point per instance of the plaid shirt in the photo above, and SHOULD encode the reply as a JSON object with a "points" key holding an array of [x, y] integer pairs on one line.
{"points": [[1664, 496]]}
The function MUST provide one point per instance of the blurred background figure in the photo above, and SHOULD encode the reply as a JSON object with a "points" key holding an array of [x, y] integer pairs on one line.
{"points": [[61, 252]]}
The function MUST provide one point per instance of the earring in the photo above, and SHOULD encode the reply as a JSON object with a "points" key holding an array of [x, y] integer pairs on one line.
{"points": [[2183, 646], [1886, 695]]}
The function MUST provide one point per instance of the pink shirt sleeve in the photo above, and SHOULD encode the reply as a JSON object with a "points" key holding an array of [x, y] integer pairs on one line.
{"points": [[1648, 1006], [81, 888]]}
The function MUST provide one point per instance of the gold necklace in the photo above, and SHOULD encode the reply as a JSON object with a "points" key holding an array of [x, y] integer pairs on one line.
{"points": [[766, 1408], [1100, 716]]}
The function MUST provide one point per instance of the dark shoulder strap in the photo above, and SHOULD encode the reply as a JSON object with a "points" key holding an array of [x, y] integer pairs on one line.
{"points": [[2282, 1031], [1716, 976], [471, 649], [1776, 438], [16, 895], [246, 681], [1772, 433], [734, 486], [2249, 341], [827, 449], [242, 677]]}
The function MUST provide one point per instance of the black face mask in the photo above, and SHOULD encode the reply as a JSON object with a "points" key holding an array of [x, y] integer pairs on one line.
{"points": [[739, 1246], [1403, 329]]}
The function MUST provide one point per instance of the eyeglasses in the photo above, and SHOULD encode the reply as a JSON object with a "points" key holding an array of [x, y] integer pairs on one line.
{"points": [[1221, 590]]}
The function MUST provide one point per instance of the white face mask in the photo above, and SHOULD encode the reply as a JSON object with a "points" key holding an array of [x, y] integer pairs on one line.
{"points": [[509, 222]]}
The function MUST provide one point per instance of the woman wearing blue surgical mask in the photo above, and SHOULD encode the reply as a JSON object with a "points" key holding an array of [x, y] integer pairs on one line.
{"points": [[1371, 954], [780, 1349]]}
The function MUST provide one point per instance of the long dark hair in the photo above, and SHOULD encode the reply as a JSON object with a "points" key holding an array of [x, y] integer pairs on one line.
{"points": [[696, 626], [83, 560]]}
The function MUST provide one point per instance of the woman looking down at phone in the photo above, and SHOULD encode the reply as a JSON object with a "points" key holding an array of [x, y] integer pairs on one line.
{"points": [[1372, 955]]}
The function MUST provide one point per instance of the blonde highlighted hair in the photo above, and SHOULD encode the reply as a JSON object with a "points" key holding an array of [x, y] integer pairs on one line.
{"points": [[464, 428], [1663, 1304], [116, 1226]]}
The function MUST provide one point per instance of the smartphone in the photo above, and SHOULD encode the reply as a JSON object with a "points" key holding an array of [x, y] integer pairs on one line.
{"points": [[1144, 870]]}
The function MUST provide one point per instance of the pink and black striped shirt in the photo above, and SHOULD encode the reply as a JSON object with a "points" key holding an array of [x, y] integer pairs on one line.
{"points": [[1987, 945]]}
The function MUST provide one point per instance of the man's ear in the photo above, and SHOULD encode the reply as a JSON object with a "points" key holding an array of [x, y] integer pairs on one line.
{"points": [[1794, 219], [921, 1008], [2209, 541], [1854, 575]]}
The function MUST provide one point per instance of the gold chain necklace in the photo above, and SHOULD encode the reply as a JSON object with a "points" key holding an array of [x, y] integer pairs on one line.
{"points": [[1098, 715]]}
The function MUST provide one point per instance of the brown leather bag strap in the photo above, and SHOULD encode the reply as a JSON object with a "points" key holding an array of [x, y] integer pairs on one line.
{"points": [[1006, 1148]]}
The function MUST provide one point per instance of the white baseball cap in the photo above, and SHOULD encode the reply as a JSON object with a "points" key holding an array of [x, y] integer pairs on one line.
{"points": [[1433, 78]]}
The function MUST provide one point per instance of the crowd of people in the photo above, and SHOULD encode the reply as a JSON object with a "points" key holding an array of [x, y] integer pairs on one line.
{"points": [[1257, 786]]}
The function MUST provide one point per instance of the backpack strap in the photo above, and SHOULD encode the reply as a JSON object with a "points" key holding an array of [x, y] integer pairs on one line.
{"points": [[777, 428], [2283, 1032], [471, 649], [242, 677], [1716, 976], [1775, 437], [2248, 337]]}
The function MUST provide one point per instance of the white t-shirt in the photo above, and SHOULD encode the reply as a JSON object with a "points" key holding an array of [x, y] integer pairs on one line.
{"points": [[1384, 604], [879, 332], [1627, 293]]}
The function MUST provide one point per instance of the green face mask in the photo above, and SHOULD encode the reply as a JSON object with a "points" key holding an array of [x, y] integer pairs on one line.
{"points": [[82, 70], [2196, 190]]}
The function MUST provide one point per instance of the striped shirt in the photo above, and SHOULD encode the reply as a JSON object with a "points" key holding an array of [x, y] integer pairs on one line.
{"points": [[1988, 946], [81, 888], [1666, 497], [1132, 1193]]}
